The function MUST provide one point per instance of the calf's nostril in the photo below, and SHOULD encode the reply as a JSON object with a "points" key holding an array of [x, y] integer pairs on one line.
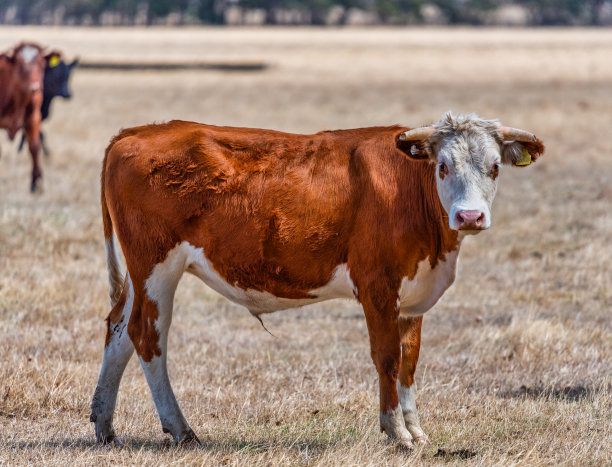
{"points": [[470, 219]]}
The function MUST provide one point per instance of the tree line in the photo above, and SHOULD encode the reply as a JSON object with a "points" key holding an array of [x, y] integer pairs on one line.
{"points": [[318, 12]]}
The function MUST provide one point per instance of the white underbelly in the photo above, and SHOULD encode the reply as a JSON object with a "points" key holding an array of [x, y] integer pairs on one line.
{"points": [[340, 286], [419, 294], [415, 296]]}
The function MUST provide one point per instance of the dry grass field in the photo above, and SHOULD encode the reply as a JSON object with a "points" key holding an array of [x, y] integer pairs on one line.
{"points": [[516, 362]]}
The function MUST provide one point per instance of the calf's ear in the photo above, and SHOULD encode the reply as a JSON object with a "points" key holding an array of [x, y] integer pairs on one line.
{"points": [[74, 63], [415, 143], [521, 153], [416, 150]]}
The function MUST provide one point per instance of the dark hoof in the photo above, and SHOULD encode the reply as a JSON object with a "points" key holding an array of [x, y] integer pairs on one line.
{"points": [[404, 446], [36, 187], [117, 442], [405, 443], [111, 440], [188, 439]]}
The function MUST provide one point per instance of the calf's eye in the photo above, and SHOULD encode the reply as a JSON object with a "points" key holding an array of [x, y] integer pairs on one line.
{"points": [[442, 169], [495, 171]]}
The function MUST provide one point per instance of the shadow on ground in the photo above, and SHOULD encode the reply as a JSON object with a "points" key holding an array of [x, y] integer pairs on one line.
{"points": [[227, 446], [569, 393], [457, 454], [230, 446]]}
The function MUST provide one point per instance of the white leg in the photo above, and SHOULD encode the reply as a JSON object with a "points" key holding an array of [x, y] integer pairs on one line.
{"points": [[160, 288], [170, 415], [393, 424], [117, 353], [407, 399]]}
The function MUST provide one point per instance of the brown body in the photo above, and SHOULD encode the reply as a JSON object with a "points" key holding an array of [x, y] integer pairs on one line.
{"points": [[272, 220], [21, 96], [269, 220]]}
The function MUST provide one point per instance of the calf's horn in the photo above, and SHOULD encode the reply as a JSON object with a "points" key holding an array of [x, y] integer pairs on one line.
{"points": [[415, 134], [514, 134]]}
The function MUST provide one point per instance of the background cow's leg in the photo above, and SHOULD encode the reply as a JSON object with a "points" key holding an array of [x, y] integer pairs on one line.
{"points": [[149, 332], [383, 330], [43, 145], [32, 131], [410, 335], [22, 142], [117, 353]]}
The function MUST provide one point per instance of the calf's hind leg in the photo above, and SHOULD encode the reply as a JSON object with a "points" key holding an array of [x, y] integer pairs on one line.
{"points": [[148, 329], [117, 353]]}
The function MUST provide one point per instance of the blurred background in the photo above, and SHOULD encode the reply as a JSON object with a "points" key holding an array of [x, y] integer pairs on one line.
{"points": [[306, 12], [515, 365]]}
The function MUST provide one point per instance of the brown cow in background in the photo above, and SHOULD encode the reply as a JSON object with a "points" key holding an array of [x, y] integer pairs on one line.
{"points": [[21, 96]]}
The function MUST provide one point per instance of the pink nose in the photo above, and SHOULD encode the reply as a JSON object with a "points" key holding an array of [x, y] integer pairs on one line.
{"points": [[470, 220]]}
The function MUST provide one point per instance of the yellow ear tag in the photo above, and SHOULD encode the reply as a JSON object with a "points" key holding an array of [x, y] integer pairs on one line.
{"points": [[525, 158], [54, 61]]}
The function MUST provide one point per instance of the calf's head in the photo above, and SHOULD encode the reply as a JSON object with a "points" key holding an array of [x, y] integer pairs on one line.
{"points": [[469, 152]]}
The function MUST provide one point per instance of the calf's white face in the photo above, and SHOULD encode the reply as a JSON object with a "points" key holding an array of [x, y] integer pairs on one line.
{"points": [[466, 176], [468, 152]]}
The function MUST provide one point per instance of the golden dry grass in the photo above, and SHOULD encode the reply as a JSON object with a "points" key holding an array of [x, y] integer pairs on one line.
{"points": [[516, 361]]}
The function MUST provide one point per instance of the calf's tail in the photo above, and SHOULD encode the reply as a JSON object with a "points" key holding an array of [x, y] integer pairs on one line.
{"points": [[113, 264]]}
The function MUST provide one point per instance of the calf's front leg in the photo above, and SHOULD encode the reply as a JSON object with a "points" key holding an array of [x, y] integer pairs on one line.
{"points": [[382, 320], [410, 335]]}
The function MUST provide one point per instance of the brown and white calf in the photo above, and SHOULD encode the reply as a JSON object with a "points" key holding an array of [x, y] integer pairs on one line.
{"points": [[273, 220], [21, 97]]}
